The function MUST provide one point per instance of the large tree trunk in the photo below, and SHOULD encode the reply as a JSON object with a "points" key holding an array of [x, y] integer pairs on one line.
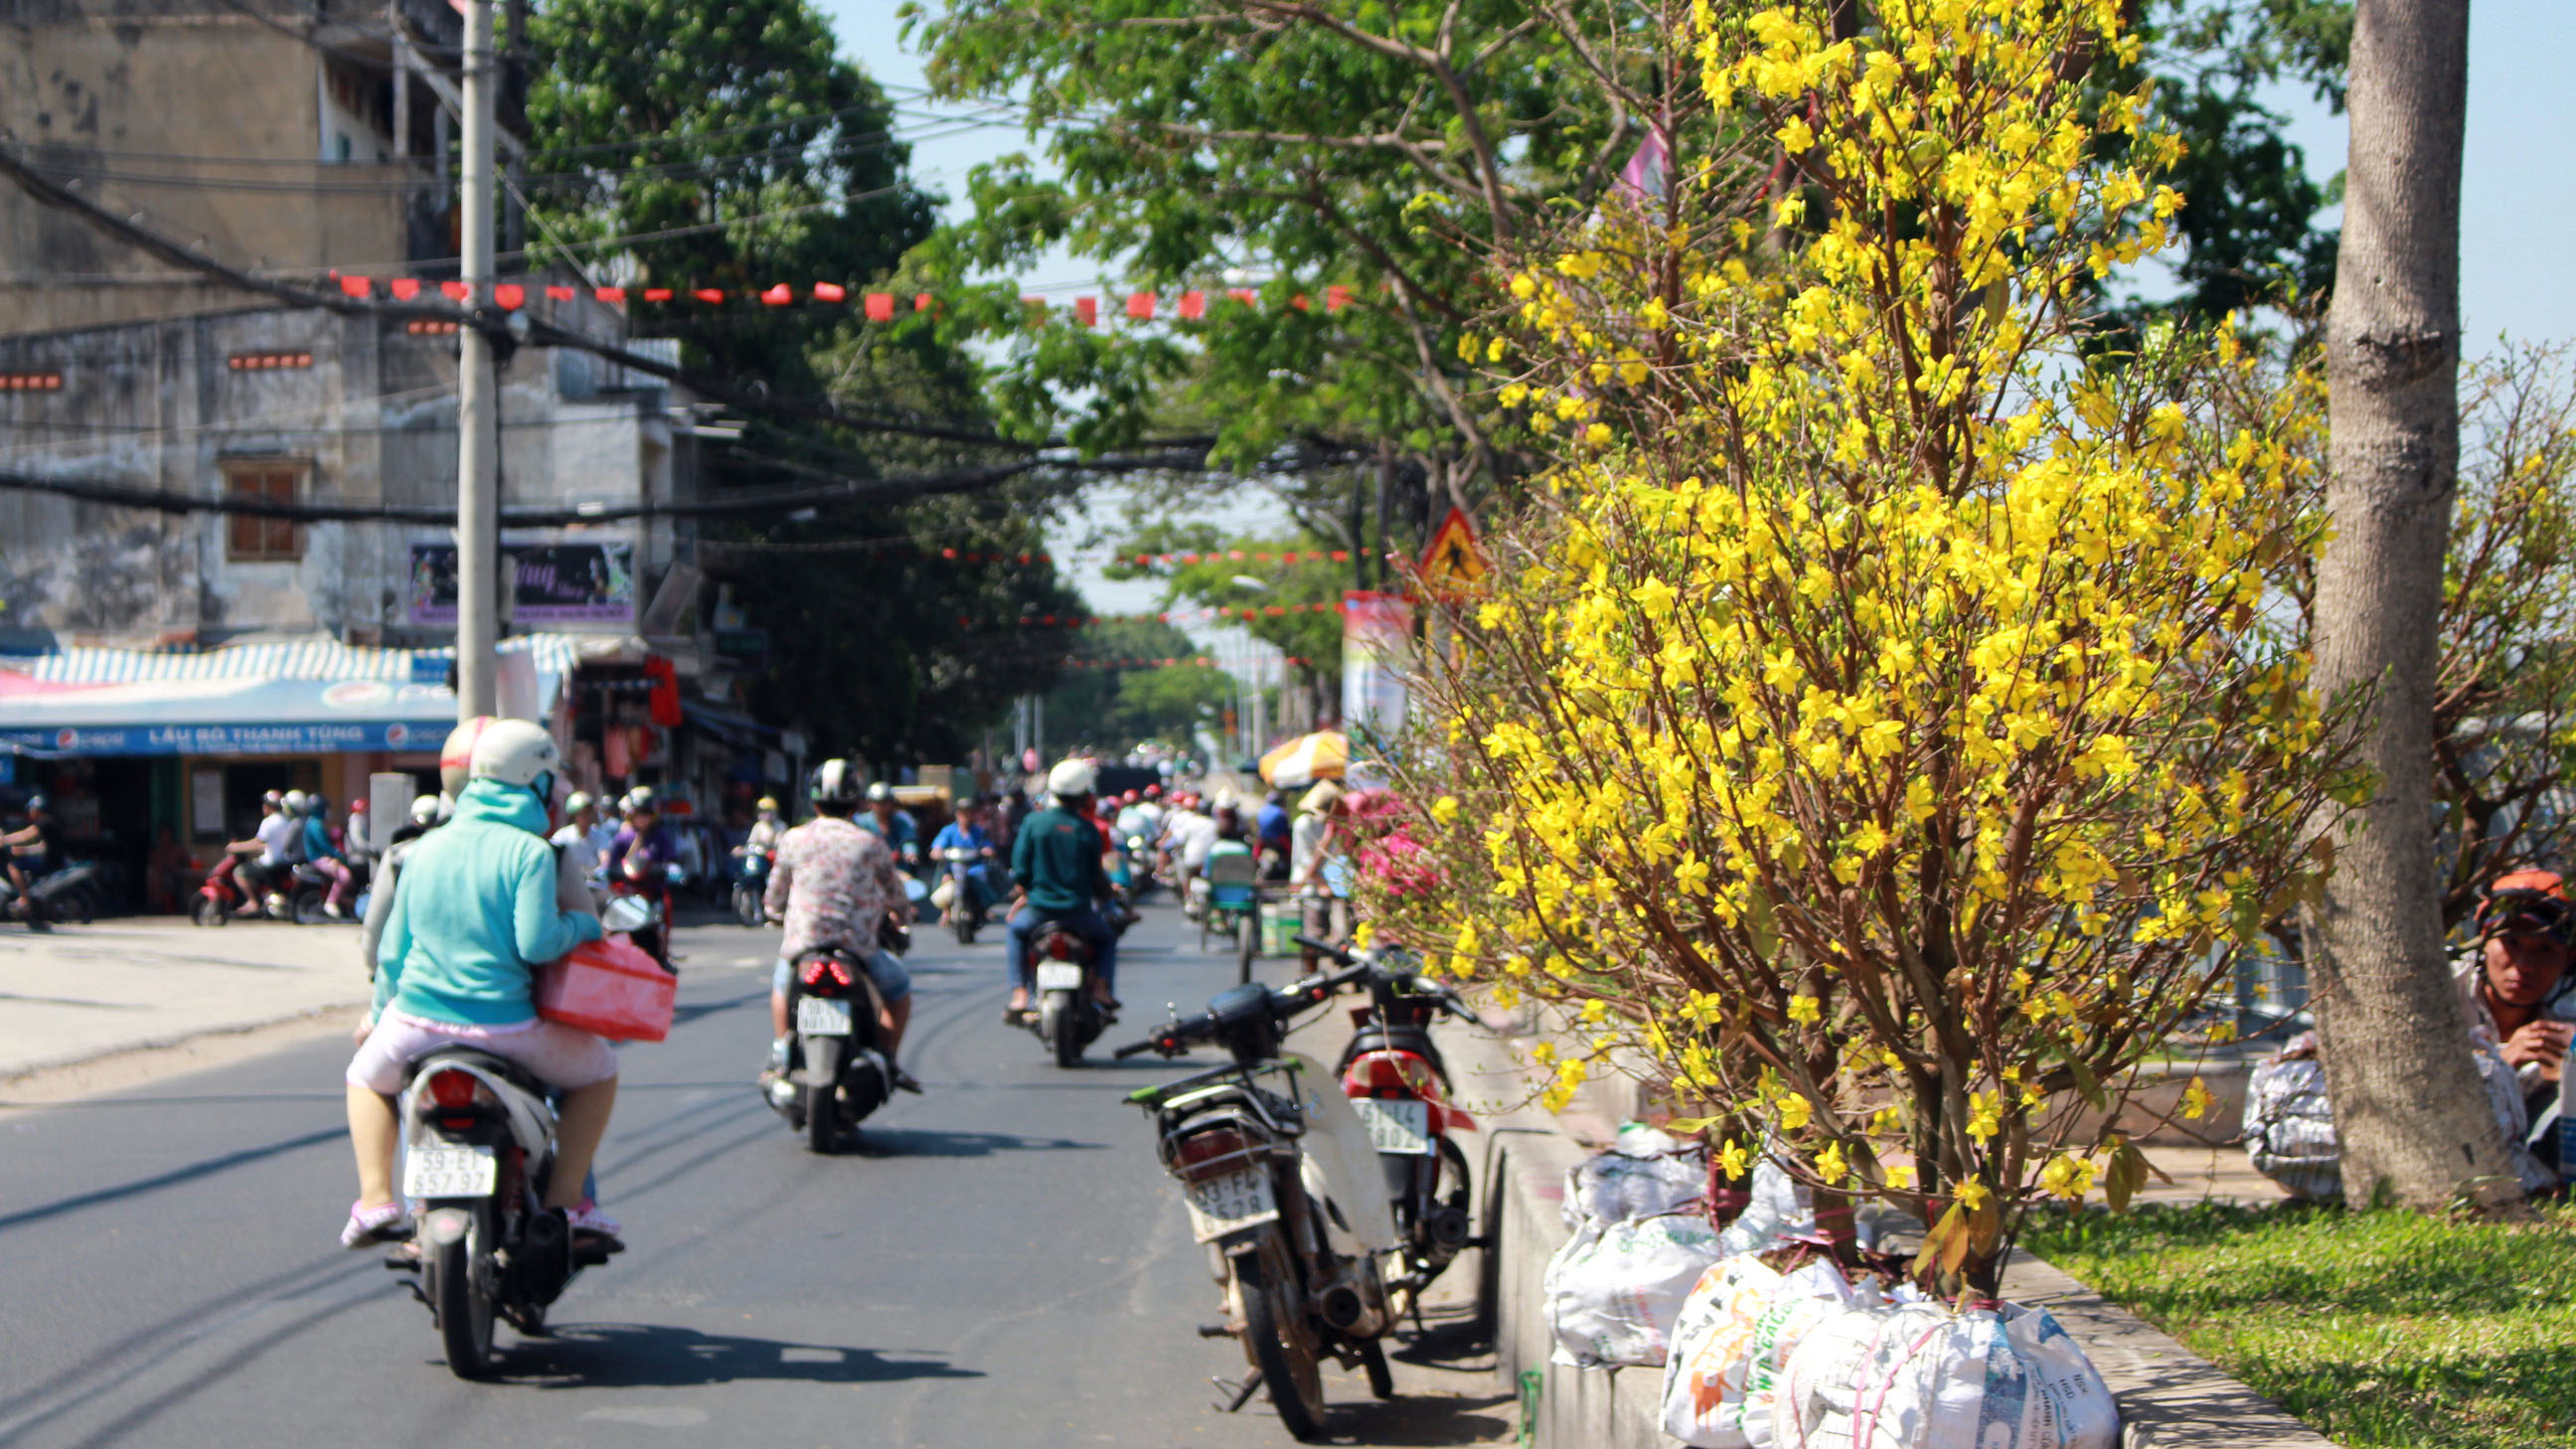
{"points": [[2407, 1099]]}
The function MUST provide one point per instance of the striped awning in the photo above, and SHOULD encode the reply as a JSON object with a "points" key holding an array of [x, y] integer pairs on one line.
{"points": [[556, 654]]}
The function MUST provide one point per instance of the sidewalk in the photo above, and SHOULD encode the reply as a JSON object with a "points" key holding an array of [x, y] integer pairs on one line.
{"points": [[81, 992]]}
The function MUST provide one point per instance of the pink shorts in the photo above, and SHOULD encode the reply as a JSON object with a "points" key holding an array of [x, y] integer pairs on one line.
{"points": [[556, 1054]]}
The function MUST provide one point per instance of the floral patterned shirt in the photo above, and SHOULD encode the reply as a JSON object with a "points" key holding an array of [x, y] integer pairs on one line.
{"points": [[834, 883]]}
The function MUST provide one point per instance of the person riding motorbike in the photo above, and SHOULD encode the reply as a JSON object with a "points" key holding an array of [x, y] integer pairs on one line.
{"points": [[474, 914], [640, 860], [326, 858], [32, 852], [578, 856], [1314, 864], [1275, 834], [968, 832], [1056, 862], [888, 821], [265, 859], [765, 830], [835, 884]]}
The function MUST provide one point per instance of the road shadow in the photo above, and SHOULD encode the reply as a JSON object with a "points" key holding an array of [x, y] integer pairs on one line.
{"points": [[1446, 1390], [929, 1142], [648, 1355]]}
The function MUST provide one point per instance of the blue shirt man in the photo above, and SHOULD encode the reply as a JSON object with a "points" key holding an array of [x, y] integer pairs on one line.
{"points": [[967, 832]]}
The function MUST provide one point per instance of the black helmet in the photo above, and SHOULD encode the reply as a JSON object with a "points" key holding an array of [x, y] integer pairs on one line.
{"points": [[835, 782], [880, 791], [39, 801]]}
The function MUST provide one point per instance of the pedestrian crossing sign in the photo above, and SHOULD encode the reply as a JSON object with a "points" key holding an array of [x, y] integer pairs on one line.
{"points": [[1453, 563]]}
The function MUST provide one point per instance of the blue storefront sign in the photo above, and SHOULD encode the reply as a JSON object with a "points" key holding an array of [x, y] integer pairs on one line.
{"points": [[230, 717], [310, 738]]}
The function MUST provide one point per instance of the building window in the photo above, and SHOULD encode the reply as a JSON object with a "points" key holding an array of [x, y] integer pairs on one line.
{"points": [[255, 538]]}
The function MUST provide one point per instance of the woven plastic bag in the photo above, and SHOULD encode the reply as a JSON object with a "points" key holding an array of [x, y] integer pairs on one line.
{"points": [[1644, 1174], [1921, 1376], [1615, 1289], [609, 988], [1735, 1332], [2290, 1132]]}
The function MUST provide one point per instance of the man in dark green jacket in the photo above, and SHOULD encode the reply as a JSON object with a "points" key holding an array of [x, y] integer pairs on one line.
{"points": [[1056, 860]]}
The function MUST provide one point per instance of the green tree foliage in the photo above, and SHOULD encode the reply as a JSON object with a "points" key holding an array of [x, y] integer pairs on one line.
{"points": [[1218, 583], [1115, 705], [734, 149], [1387, 149]]}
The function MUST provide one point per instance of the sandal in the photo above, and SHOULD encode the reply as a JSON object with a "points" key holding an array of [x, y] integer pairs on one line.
{"points": [[587, 1221], [371, 1226]]}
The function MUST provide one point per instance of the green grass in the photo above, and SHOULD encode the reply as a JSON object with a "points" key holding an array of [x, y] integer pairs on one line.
{"points": [[2377, 1328]]}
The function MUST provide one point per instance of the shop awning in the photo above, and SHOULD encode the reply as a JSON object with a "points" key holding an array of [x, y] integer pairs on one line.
{"points": [[328, 659], [223, 716]]}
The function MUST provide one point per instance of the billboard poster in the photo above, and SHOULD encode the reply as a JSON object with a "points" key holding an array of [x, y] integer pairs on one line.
{"points": [[557, 583], [1377, 644]]}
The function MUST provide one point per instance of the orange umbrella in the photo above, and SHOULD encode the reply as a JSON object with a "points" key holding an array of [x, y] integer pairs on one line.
{"points": [[1323, 755]]}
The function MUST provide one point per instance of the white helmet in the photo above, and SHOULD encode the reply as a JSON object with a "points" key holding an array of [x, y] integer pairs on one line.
{"points": [[1071, 778], [835, 782], [292, 802], [576, 802], [456, 757], [424, 809], [515, 752], [640, 798]]}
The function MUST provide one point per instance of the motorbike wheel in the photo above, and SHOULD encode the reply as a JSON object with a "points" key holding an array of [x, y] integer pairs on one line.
{"points": [[1381, 1379], [822, 1119], [962, 920], [207, 911], [747, 906], [304, 907], [1204, 931], [1288, 1367], [464, 1307], [1247, 936], [1056, 1026]]}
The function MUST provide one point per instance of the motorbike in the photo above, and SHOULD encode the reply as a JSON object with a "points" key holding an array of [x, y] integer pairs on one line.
{"points": [[1280, 1180], [751, 882], [1396, 1081], [655, 937], [1143, 871], [970, 894], [70, 895], [1063, 1012], [479, 1142], [837, 1072], [1229, 902], [298, 899]]}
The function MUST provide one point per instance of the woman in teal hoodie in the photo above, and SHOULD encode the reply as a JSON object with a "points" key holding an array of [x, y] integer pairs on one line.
{"points": [[473, 916]]}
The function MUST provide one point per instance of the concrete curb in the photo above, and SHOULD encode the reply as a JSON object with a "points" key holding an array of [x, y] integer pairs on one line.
{"points": [[2169, 1397]]}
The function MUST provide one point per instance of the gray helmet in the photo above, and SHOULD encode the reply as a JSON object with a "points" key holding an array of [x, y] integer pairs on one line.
{"points": [[880, 792]]}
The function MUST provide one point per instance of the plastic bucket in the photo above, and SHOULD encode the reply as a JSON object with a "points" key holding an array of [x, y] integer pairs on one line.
{"points": [[1279, 926]]}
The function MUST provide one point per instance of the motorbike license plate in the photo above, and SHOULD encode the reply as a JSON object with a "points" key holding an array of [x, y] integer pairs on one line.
{"points": [[444, 1171], [1396, 1124], [1059, 976], [1222, 1205], [822, 1016]]}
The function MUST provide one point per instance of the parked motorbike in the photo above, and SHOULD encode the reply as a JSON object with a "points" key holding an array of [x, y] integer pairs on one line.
{"points": [[1280, 1179], [1395, 1078], [970, 899], [298, 899], [751, 883], [479, 1143], [70, 895], [837, 1072]]}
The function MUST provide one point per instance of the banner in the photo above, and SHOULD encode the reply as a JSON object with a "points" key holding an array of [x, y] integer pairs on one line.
{"points": [[1377, 645], [558, 583]]}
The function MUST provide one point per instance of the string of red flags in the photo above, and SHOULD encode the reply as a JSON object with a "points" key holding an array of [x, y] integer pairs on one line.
{"points": [[1201, 662], [1176, 616], [1189, 306], [1239, 555]]}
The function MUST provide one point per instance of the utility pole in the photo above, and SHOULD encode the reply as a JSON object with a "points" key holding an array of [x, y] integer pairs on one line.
{"points": [[478, 506]]}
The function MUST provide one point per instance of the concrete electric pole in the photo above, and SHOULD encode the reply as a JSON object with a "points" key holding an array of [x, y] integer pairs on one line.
{"points": [[478, 508]]}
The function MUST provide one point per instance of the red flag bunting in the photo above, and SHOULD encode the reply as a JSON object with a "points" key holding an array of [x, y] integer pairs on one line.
{"points": [[921, 302], [511, 296], [403, 288], [559, 294], [830, 292], [1245, 295], [1140, 305], [359, 287], [712, 296], [615, 296], [1193, 306], [657, 294], [880, 306], [456, 291], [779, 296], [1336, 297], [1086, 310]]}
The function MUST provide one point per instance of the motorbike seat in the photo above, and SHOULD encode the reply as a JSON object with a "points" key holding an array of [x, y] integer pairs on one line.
{"points": [[499, 1066], [1412, 1040]]}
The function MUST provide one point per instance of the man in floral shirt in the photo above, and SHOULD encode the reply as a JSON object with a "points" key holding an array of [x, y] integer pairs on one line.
{"points": [[834, 884]]}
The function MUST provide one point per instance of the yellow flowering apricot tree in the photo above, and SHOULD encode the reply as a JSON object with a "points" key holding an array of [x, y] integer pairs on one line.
{"points": [[1885, 718]]}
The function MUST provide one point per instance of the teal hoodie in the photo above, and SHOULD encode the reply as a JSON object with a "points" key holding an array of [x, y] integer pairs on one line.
{"points": [[474, 914]]}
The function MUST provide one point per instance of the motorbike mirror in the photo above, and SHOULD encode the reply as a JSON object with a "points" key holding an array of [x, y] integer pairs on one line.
{"points": [[626, 913]]}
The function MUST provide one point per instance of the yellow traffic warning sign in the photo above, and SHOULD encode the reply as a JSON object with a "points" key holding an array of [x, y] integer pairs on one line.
{"points": [[1452, 563]]}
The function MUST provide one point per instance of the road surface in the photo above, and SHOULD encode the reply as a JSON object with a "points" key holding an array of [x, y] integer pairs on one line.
{"points": [[1001, 1264]]}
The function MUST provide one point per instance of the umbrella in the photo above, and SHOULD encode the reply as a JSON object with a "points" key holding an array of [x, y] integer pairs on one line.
{"points": [[1322, 755]]}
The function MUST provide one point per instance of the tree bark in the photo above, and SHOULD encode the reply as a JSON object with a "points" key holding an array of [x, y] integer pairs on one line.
{"points": [[2408, 1104]]}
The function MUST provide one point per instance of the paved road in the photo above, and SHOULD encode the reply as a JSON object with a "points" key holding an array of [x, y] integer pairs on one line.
{"points": [[1003, 1263]]}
